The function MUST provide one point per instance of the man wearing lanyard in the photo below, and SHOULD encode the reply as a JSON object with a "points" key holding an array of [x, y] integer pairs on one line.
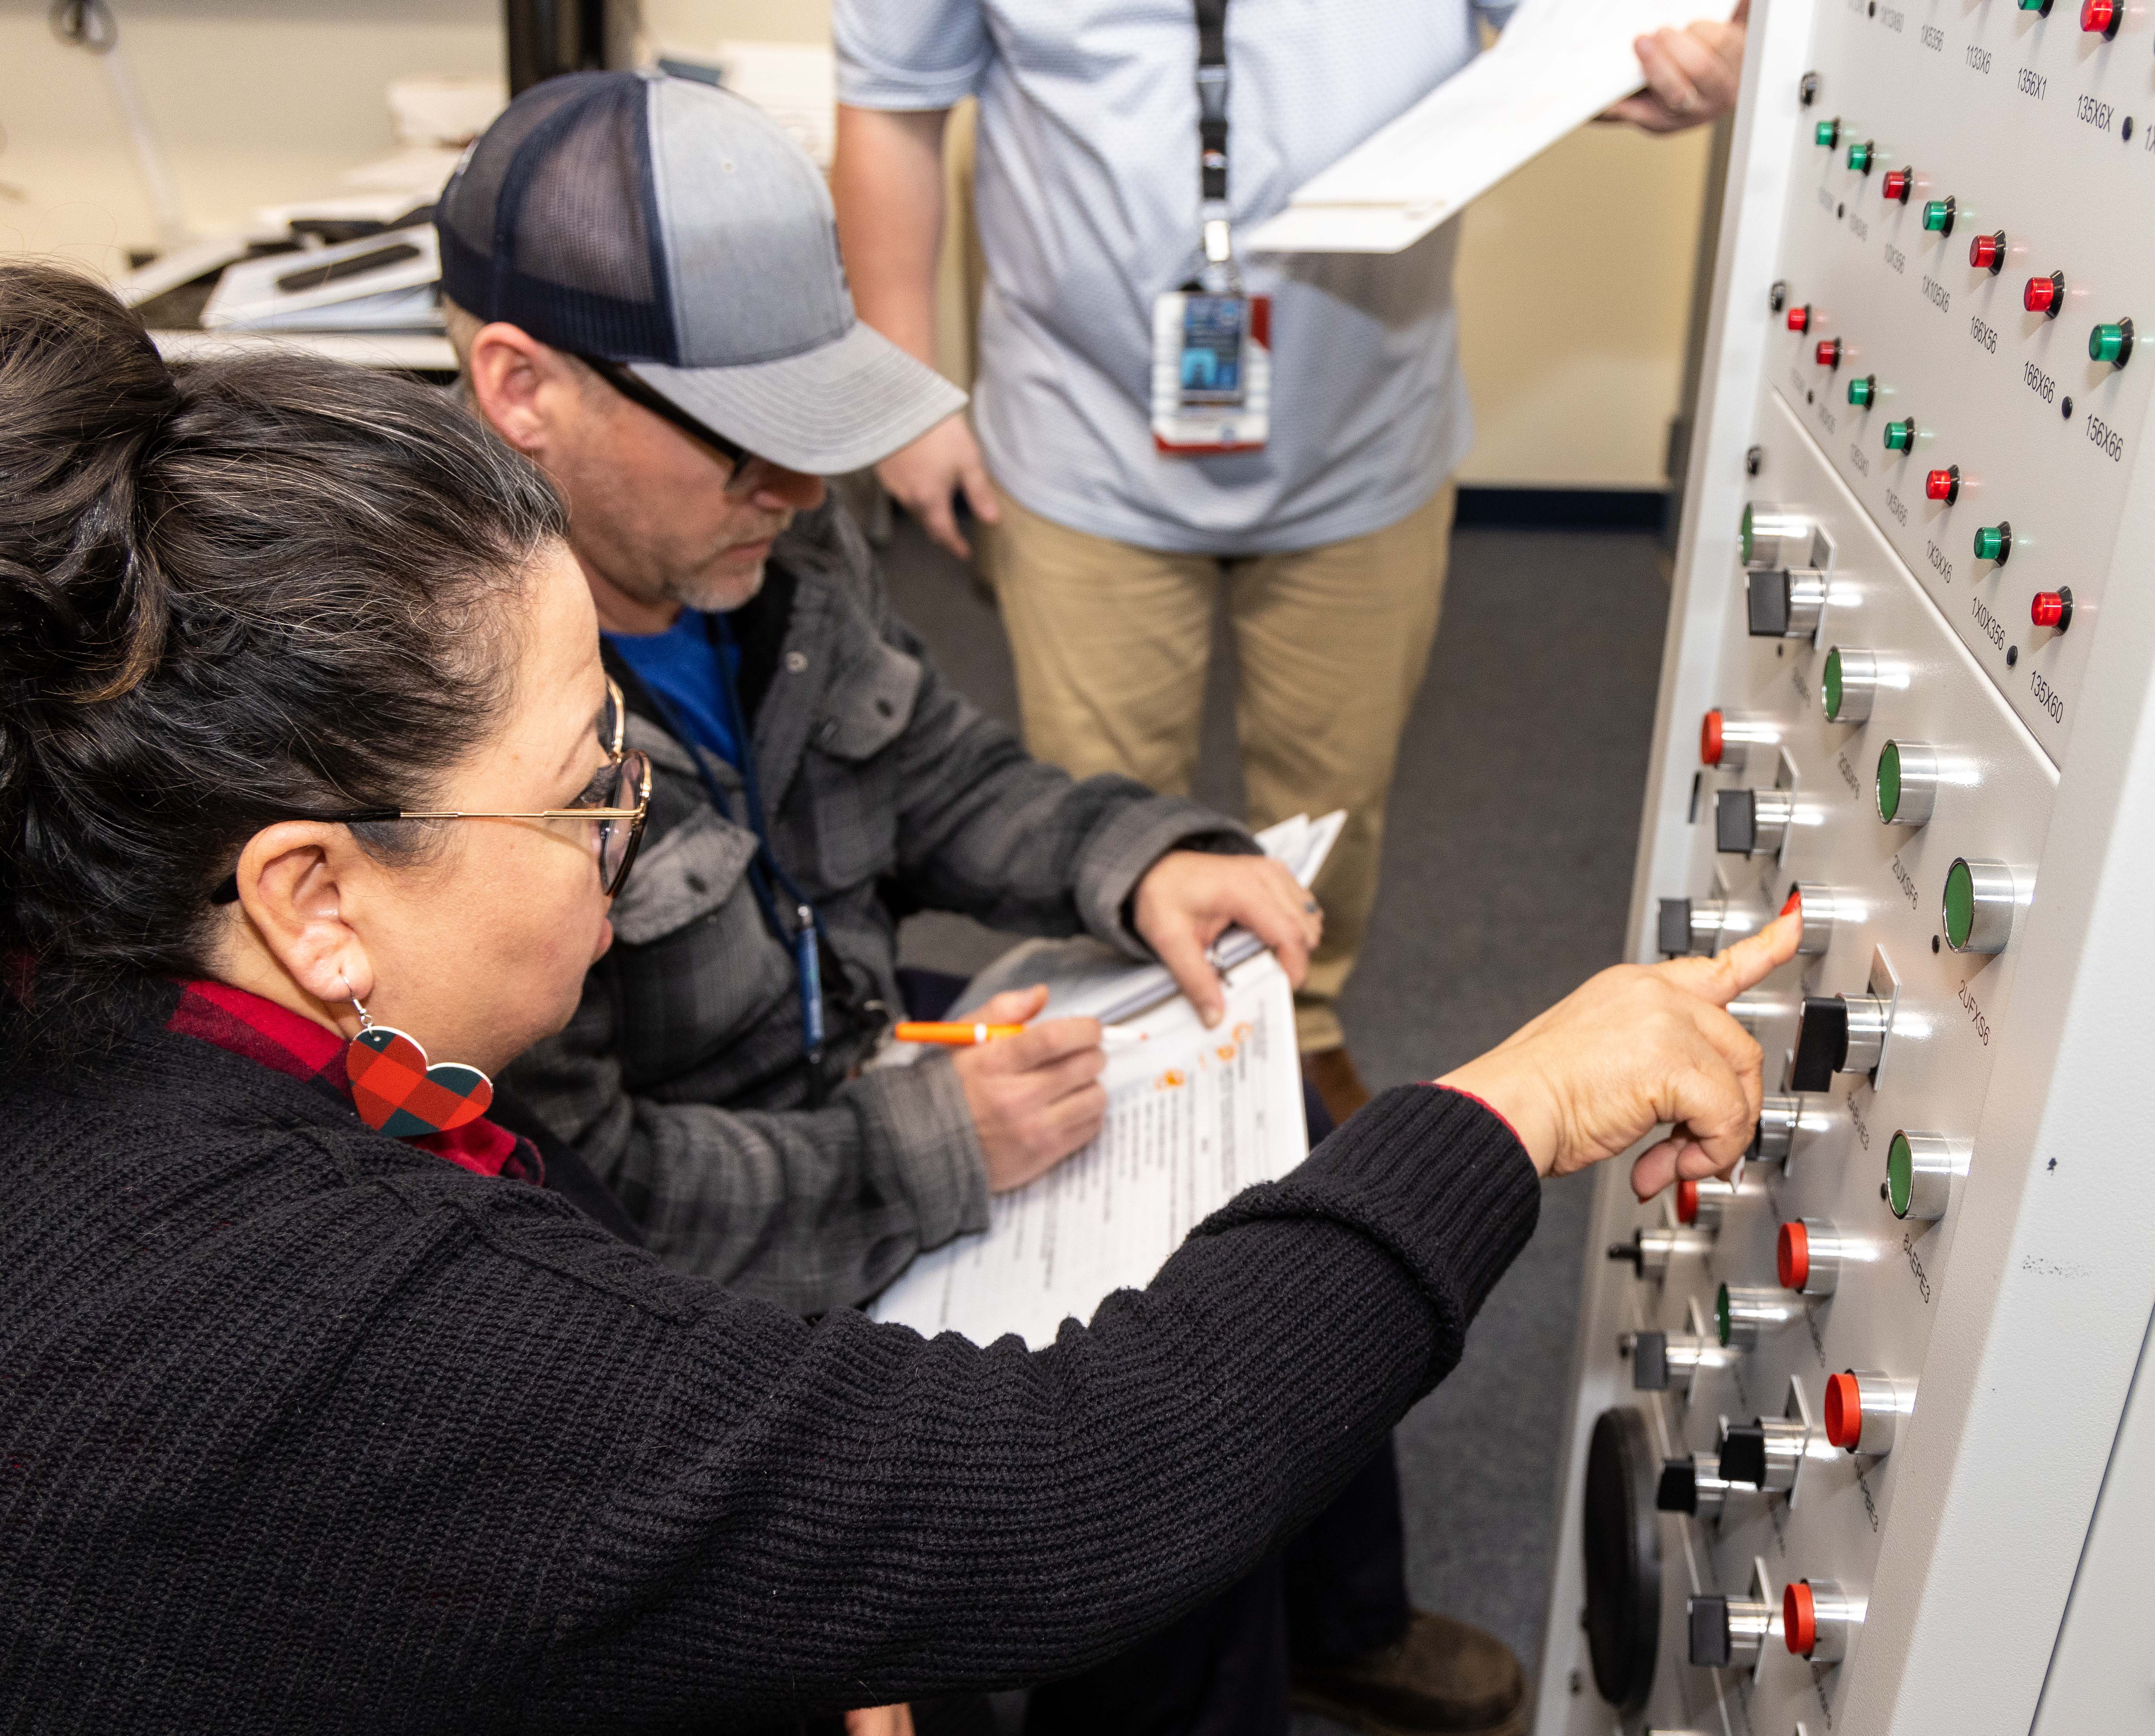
{"points": [[641, 278], [1158, 420]]}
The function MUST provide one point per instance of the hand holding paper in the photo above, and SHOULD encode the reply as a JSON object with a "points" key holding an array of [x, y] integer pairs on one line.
{"points": [[1188, 899], [1691, 74]]}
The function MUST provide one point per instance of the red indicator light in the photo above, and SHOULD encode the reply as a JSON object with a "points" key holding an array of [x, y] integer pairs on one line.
{"points": [[1844, 1412], [1898, 184], [1944, 484], [1987, 253], [2044, 295], [1792, 1256], [1709, 739], [2052, 609], [1800, 319], [1828, 352], [2101, 18]]}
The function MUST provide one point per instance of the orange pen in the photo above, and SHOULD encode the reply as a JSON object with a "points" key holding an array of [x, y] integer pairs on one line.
{"points": [[959, 1034]]}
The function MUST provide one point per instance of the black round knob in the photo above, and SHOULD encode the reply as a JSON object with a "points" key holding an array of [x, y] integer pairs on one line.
{"points": [[1623, 1558]]}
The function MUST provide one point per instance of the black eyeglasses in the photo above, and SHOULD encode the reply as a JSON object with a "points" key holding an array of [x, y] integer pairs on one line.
{"points": [[748, 468], [618, 815]]}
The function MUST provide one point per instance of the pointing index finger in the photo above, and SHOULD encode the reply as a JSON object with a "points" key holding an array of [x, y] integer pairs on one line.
{"points": [[1733, 969]]}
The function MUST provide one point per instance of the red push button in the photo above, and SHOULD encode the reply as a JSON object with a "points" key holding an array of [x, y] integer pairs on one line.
{"points": [[1944, 484], [2044, 295], [1792, 1256], [1710, 742], [1844, 1411], [1828, 352], [2052, 609], [2101, 18], [1800, 319], [1686, 1202], [1987, 253], [1799, 1618], [1898, 185]]}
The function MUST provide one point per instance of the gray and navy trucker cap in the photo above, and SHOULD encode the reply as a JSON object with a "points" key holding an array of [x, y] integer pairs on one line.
{"points": [[672, 227]]}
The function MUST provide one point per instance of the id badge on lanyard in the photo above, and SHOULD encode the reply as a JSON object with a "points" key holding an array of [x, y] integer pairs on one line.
{"points": [[1212, 343], [1211, 371]]}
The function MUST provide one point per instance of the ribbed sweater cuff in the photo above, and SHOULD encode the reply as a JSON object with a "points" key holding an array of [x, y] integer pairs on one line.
{"points": [[1432, 1176]]}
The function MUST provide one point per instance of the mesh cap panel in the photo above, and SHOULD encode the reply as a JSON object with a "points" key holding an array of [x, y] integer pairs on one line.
{"points": [[550, 222]]}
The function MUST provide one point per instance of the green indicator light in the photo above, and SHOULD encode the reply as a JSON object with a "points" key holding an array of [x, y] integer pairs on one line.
{"points": [[1899, 1175], [1960, 904], [1721, 1315], [1938, 215], [1833, 685], [1889, 781], [1900, 435], [2111, 343], [1863, 393], [1743, 537], [1859, 157], [1993, 542], [1828, 135], [2040, 6]]}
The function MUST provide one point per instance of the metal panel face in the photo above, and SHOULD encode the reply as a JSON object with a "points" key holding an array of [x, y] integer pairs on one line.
{"points": [[1884, 884], [2041, 131], [1935, 1302]]}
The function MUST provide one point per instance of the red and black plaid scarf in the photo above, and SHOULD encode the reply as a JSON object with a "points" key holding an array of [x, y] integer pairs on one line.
{"points": [[274, 1036]]}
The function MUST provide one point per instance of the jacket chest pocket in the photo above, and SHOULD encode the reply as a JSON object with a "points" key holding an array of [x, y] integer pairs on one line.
{"points": [[698, 965], [850, 771]]}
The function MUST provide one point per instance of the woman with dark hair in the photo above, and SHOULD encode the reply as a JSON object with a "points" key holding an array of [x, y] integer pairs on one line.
{"points": [[321, 1409]]}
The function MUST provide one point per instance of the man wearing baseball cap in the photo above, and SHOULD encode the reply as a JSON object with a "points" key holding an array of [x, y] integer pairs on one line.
{"points": [[642, 281]]}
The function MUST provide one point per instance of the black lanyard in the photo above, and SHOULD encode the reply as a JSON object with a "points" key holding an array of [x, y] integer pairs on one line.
{"points": [[804, 936], [1219, 273]]}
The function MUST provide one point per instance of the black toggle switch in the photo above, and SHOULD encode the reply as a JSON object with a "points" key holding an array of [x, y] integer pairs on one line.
{"points": [[1821, 1043], [1674, 937], [1752, 822], [1744, 1453], [1784, 602], [1649, 1362], [1709, 1649], [1678, 1489]]}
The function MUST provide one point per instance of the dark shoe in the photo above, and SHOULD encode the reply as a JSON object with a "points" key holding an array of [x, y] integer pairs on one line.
{"points": [[1441, 1676], [1332, 1071]]}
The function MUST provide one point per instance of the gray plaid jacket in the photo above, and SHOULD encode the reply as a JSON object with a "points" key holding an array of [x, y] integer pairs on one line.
{"points": [[681, 1080]]}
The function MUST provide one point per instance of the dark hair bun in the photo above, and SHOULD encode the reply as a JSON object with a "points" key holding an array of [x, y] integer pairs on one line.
{"points": [[230, 591], [84, 394]]}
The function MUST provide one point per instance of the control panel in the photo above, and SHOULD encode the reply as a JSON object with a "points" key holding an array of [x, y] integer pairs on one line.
{"points": [[1828, 1405]]}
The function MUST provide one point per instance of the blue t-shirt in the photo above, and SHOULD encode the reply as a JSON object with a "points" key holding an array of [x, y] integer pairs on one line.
{"points": [[681, 666]]}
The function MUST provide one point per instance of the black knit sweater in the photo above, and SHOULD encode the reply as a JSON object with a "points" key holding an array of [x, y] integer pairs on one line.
{"points": [[303, 1429]]}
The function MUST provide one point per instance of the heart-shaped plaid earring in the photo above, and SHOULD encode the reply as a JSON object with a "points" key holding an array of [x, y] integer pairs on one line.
{"points": [[395, 1090]]}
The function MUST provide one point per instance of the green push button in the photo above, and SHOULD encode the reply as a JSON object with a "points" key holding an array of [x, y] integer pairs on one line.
{"points": [[1899, 1175], [1828, 134], [1833, 685], [1859, 157], [1900, 435], [1744, 537], [1721, 1315], [2111, 343], [1938, 215], [1889, 781], [1959, 905], [1994, 542], [1863, 393]]}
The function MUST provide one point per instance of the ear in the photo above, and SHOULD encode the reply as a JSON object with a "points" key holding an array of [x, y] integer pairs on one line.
{"points": [[299, 885], [519, 385]]}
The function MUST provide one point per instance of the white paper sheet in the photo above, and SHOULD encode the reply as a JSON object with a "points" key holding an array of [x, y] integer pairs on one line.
{"points": [[1558, 64], [1193, 1116]]}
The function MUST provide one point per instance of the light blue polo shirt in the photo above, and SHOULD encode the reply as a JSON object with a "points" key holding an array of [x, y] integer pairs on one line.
{"points": [[1087, 194]]}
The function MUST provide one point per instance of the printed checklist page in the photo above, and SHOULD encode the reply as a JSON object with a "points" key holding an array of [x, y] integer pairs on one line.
{"points": [[1193, 1116]]}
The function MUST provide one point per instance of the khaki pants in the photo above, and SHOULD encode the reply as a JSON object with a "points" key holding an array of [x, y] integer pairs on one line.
{"points": [[1111, 643]]}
